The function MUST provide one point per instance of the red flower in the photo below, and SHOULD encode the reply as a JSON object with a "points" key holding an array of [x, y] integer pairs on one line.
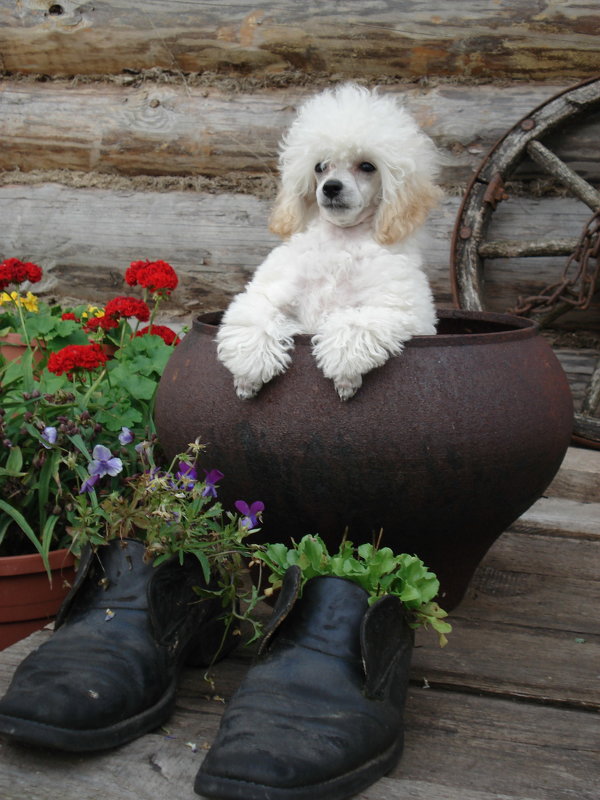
{"points": [[166, 334], [70, 315], [76, 356], [14, 271], [157, 276], [105, 323], [127, 307]]}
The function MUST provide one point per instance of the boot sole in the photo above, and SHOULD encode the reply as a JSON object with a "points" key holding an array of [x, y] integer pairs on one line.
{"points": [[83, 741], [339, 788]]}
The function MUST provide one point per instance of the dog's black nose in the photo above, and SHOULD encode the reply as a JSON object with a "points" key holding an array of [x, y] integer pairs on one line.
{"points": [[332, 188]]}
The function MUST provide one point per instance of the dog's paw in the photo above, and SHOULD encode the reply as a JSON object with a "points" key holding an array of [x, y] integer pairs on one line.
{"points": [[246, 389], [347, 387]]}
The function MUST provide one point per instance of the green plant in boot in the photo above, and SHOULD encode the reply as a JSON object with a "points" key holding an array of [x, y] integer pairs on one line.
{"points": [[376, 569]]}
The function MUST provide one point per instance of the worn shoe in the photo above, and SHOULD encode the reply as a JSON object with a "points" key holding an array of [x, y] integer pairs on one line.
{"points": [[109, 672], [320, 713]]}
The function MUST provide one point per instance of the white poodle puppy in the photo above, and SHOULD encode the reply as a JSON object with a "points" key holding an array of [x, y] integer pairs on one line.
{"points": [[357, 181]]}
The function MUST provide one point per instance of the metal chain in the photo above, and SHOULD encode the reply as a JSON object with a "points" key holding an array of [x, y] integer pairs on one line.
{"points": [[580, 276]]}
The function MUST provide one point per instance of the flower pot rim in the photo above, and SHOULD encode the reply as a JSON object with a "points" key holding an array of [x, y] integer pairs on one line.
{"points": [[32, 562], [493, 328], [15, 339]]}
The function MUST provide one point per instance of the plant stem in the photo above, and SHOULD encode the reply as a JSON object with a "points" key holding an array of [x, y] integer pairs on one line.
{"points": [[24, 333], [93, 386]]}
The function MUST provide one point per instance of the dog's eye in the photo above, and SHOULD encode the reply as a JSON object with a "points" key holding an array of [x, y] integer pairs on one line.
{"points": [[320, 167], [366, 166]]}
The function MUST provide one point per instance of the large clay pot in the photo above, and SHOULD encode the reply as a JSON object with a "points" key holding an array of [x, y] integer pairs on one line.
{"points": [[28, 600], [443, 447], [13, 348]]}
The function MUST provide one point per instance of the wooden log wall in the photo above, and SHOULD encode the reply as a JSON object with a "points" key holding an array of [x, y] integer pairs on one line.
{"points": [[150, 129]]}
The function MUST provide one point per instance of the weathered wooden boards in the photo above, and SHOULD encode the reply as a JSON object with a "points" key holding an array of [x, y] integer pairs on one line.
{"points": [[84, 238], [474, 39], [181, 160], [577, 479], [153, 128], [458, 747], [508, 711]]}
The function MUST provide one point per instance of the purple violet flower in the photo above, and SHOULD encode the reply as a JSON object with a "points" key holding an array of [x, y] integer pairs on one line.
{"points": [[126, 436], [211, 480], [49, 434], [89, 483], [104, 463], [252, 513], [186, 475], [142, 449]]}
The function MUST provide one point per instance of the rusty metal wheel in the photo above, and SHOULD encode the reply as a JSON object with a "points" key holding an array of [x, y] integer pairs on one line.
{"points": [[532, 142]]}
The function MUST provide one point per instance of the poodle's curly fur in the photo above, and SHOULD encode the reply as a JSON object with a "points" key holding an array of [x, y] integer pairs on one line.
{"points": [[357, 182]]}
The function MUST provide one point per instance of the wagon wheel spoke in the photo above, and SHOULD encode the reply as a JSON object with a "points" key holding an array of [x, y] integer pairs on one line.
{"points": [[506, 248], [552, 164]]}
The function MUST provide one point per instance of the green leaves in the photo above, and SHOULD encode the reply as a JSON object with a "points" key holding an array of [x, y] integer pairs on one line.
{"points": [[378, 570]]}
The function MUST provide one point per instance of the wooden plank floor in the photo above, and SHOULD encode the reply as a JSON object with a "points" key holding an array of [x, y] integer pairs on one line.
{"points": [[508, 711]]}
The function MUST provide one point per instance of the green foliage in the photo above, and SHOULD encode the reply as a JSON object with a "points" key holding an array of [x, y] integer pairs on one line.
{"points": [[39, 479], [36, 478], [378, 570], [43, 326], [173, 513]]}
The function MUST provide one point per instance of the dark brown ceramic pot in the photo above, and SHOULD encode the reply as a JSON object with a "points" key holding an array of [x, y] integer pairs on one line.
{"points": [[443, 447]]}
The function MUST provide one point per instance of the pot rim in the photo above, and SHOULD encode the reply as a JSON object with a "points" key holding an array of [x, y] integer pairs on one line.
{"points": [[501, 328], [32, 562]]}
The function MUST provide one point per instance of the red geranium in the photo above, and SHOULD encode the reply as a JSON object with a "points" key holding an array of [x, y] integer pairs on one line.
{"points": [[76, 356], [166, 334], [14, 271], [157, 276], [127, 307], [70, 315], [105, 323]]}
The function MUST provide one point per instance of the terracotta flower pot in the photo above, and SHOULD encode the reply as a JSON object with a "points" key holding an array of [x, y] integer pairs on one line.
{"points": [[443, 447], [27, 599], [13, 347]]}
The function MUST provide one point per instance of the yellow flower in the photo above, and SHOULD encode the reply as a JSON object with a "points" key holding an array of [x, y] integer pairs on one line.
{"points": [[93, 311], [28, 301]]}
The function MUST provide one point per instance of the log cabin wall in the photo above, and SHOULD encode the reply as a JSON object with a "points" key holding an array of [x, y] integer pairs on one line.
{"points": [[149, 129]]}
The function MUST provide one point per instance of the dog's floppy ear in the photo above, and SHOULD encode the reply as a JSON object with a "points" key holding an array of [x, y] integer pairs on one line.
{"points": [[407, 209], [288, 215]]}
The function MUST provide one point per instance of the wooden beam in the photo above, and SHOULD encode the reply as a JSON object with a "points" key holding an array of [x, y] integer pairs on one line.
{"points": [[173, 129], [85, 238], [367, 39]]}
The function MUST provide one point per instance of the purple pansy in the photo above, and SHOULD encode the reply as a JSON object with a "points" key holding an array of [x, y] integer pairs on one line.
{"points": [[251, 513], [126, 436], [89, 483], [186, 475], [143, 449], [104, 463], [49, 434], [211, 480]]}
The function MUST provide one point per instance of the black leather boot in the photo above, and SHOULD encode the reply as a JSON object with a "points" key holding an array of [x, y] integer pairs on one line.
{"points": [[109, 672], [320, 714]]}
